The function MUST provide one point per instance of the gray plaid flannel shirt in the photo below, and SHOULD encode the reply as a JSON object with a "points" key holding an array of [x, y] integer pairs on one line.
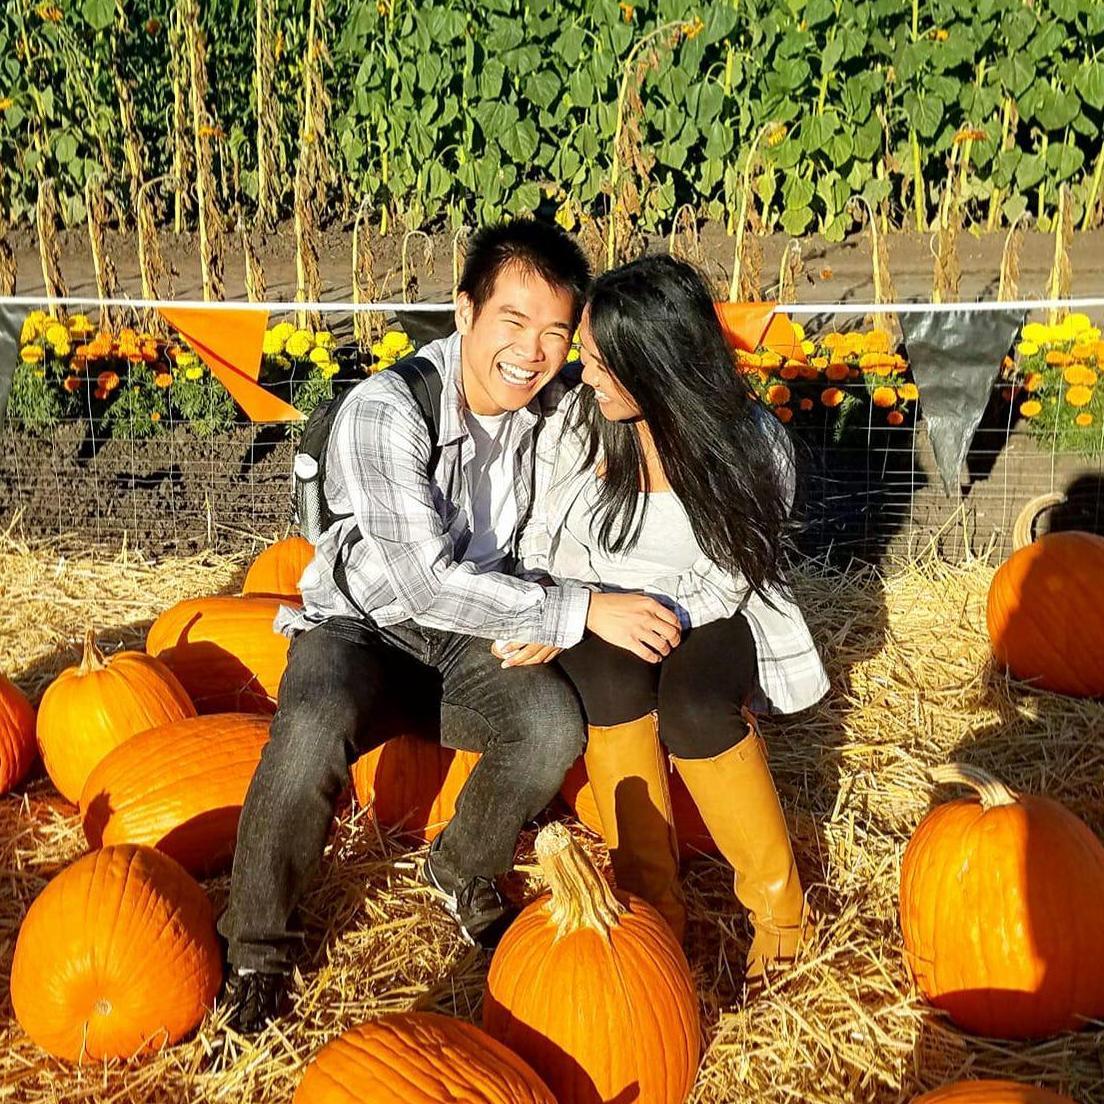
{"points": [[409, 564]]}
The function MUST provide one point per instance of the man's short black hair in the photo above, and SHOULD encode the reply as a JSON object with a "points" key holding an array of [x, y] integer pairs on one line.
{"points": [[541, 248]]}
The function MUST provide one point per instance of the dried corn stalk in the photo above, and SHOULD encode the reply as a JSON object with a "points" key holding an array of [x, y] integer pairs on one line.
{"points": [[364, 284], [884, 291], [150, 262], [1008, 288], [180, 136], [948, 270], [255, 285], [747, 255], [95, 204], [268, 118], [204, 133], [1061, 272], [132, 140], [49, 249]]}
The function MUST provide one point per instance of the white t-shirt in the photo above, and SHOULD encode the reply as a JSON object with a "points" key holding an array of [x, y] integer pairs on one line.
{"points": [[492, 507]]}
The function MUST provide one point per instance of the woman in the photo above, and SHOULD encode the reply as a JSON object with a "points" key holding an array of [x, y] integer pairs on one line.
{"points": [[666, 476]]}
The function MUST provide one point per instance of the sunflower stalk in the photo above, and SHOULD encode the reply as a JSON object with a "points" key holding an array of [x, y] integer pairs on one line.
{"points": [[459, 252], [409, 274], [49, 249], [747, 260], [884, 291], [1092, 202], [255, 285], [95, 205], [948, 270], [364, 284], [789, 269], [150, 262], [1061, 272], [918, 195], [1009, 284], [133, 152], [996, 195], [179, 136], [268, 122], [684, 241]]}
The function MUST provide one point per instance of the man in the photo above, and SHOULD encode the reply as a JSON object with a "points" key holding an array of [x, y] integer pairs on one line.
{"points": [[426, 586]]}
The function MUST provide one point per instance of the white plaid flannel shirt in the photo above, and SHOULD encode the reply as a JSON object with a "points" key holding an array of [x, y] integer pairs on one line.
{"points": [[409, 564]]}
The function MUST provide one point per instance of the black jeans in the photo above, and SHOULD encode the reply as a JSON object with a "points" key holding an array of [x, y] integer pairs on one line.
{"points": [[346, 688], [698, 690]]}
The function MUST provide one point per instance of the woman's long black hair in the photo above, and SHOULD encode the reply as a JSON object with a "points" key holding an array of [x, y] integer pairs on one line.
{"points": [[654, 325]]}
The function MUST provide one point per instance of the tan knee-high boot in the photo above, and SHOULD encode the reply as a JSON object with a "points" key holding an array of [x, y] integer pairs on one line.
{"points": [[736, 797], [628, 777]]}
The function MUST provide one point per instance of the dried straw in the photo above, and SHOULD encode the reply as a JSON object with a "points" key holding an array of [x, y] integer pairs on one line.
{"points": [[911, 687]]}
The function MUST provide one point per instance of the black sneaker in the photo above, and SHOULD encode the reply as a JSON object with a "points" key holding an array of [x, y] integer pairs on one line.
{"points": [[480, 911], [253, 998]]}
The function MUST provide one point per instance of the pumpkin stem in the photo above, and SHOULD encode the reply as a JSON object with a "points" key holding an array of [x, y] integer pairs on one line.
{"points": [[991, 792], [93, 658], [581, 897]]}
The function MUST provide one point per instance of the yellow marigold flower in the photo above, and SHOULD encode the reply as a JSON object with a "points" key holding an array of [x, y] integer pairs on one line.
{"points": [[1037, 332], [80, 325], [320, 355], [271, 344], [1031, 408], [394, 341], [820, 362], [1059, 359], [832, 340], [108, 381], [1084, 419], [1027, 348], [55, 333], [299, 344], [382, 363], [808, 347], [1080, 374], [1077, 322], [789, 372], [193, 373], [1079, 395], [770, 360], [783, 413], [62, 349], [1083, 350], [908, 392], [324, 339], [329, 369], [31, 354], [884, 396], [777, 394], [876, 341], [831, 396], [895, 418], [282, 331]]}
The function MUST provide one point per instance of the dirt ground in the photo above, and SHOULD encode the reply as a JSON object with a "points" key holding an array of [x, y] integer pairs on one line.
{"points": [[871, 497]]}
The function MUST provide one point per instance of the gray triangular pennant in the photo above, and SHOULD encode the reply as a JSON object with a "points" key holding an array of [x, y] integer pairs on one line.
{"points": [[955, 356], [11, 323]]}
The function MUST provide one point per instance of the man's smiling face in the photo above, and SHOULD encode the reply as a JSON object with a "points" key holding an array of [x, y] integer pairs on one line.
{"points": [[516, 343]]}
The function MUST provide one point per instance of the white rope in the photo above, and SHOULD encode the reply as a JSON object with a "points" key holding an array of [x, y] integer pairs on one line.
{"points": [[430, 308]]}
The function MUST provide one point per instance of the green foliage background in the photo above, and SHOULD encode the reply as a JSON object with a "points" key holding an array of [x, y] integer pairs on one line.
{"points": [[459, 110]]}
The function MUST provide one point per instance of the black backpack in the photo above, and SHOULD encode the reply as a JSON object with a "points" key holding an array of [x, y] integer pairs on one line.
{"points": [[312, 511]]}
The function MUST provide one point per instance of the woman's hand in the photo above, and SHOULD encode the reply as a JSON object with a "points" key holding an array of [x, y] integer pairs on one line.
{"points": [[635, 622], [524, 655]]}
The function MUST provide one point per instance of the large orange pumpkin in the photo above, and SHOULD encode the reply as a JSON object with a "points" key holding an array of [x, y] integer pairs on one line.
{"points": [[991, 1092], [412, 783], [275, 573], [179, 787], [592, 989], [418, 1058], [117, 955], [693, 836], [90, 709], [17, 735], [1046, 613], [1002, 911], [224, 650]]}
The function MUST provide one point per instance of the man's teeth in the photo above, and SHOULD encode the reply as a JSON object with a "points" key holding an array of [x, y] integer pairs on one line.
{"points": [[513, 374]]}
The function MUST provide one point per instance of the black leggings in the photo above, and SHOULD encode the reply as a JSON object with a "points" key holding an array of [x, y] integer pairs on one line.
{"points": [[698, 689]]}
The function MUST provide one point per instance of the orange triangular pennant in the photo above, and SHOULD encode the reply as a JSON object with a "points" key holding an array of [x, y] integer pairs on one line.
{"points": [[230, 343], [751, 326]]}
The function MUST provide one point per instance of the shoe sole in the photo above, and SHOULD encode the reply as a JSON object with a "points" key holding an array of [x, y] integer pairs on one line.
{"points": [[448, 900]]}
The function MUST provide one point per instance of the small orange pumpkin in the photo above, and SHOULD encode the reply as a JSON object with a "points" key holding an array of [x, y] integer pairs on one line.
{"points": [[693, 836], [276, 572], [117, 955], [94, 707], [991, 1092], [418, 1058], [224, 650], [1046, 613], [1002, 911], [17, 735], [412, 783], [592, 989], [178, 787]]}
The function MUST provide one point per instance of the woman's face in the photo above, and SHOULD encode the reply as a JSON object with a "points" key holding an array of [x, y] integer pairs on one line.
{"points": [[613, 400]]}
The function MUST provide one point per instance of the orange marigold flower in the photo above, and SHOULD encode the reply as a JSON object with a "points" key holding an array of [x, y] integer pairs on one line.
{"points": [[884, 396], [71, 384], [99, 393], [154, 416], [163, 379], [1079, 395], [107, 381], [777, 394], [1082, 350], [1084, 418], [783, 413], [806, 404], [789, 372], [831, 396], [837, 372], [876, 341], [1058, 358], [1033, 381], [895, 418], [908, 392], [770, 359], [833, 340], [808, 372], [1080, 374], [1031, 408]]}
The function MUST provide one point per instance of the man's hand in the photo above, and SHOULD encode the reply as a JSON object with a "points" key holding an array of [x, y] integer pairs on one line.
{"points": [[635, 622], [524, 655]]}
